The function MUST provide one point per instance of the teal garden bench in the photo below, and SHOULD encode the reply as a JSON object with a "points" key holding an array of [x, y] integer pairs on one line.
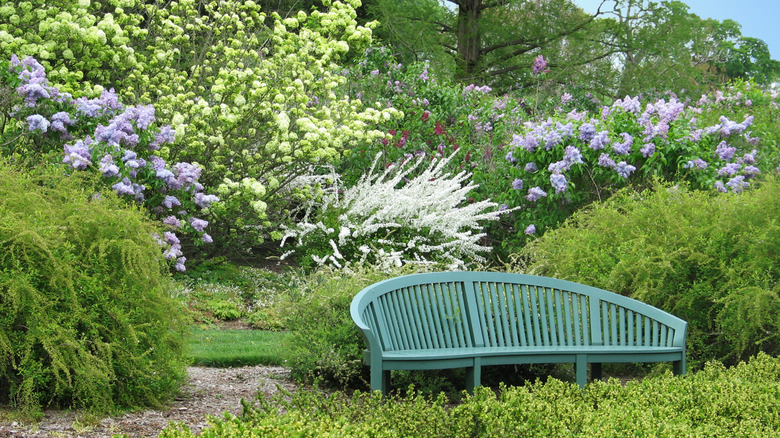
{"points": [[473, 319]]}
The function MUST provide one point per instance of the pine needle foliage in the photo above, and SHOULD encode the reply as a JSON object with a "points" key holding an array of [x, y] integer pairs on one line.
{"points": [[84, 319]]}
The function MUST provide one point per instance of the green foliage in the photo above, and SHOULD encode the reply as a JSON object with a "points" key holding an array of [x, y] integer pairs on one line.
{"points": [[230, 348], [325, 343], [85, 320], [739, 401], [710, 259]]}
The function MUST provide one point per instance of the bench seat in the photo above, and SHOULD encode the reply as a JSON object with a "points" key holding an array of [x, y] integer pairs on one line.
{"points": [[475, 319]]}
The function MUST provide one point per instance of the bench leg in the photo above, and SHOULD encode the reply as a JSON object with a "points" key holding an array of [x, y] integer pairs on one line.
{"points": [[581, 370], [679, 367], [595, 372], [474, 376], [380, 380]]}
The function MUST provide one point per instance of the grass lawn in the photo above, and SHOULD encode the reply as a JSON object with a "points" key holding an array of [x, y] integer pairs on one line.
{"points": [[227, 348]]}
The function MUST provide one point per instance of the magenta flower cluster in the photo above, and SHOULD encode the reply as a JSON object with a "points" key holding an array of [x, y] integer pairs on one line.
{"points": [[121, 148]]}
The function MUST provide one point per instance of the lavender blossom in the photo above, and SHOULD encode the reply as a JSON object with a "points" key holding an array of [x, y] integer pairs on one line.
{"points": [[517, 184], [107, 167], [625, 147], [198, 224], [697, 163], [37, 122], [78, 155], [599, 141], [559, 182], [720, 187], [171, 201], [530, 167], [737, 184], [535, 193], [204, 201], [587, 131], [180, 264], [540, 65], [750, 171], [648, 150], [510, 157], [571, 156], [206, 238], [729, 169], [725, 152], [530, 230], [124, 187], [606, 161], [624, 169], [172, 221], [59, 121]]}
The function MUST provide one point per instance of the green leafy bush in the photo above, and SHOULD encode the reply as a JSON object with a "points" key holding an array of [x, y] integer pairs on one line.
{"points": [[85, 320], [711, 259], [325, 343], [740, 401]]}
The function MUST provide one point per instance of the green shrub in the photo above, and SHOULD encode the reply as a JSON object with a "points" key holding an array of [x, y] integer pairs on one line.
{"points": [[740, 401], [85, 320], [711, 259], [325, 343]]}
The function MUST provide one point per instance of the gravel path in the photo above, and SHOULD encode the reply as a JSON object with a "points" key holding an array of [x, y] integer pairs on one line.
{"points": [[209, 391]]}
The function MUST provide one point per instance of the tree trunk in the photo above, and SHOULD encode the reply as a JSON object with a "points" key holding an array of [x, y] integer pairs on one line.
{"points": [[469, 39]]}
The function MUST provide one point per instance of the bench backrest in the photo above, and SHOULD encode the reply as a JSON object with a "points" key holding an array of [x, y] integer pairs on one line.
{"points": [[475, 309]]}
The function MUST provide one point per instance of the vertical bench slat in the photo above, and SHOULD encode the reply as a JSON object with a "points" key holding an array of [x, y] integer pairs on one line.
{"points": [[593, 323], [431, 315], [579, 308], [496, 330], [406, 311], [630, 327], [613, 322], [439, 315], [506, 323], [423, 333], [450, 313], [559, 313], [392, 332], [654, 342], [569, 318], [534, 310], [422, 320], [516, 323], [549, 303], [605, 323], [623, 340], [662, 341], [521, 326], [544, 327], [395, 313], [482, 306], [529, 324]]}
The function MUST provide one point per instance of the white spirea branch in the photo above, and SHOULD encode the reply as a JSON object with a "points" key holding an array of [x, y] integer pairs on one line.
{"points": [[389, 220]]}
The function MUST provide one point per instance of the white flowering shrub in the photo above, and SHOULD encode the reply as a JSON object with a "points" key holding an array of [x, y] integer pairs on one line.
{"points": [[389, 220]]}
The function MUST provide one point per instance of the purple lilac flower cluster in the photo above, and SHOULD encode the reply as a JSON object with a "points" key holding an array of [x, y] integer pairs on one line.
{"points": [[120, 148], [669, 126]]}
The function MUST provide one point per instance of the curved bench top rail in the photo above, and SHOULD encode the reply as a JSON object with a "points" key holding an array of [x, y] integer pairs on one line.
{"points": [[369, 293]]}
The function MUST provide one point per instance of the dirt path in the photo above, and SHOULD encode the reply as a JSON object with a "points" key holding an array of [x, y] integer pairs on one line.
{"points": [[209, 391]]}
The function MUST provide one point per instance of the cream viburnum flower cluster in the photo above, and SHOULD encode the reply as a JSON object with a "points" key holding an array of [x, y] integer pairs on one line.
{"points": [[261, 103], [390, 220], [81, 43]]}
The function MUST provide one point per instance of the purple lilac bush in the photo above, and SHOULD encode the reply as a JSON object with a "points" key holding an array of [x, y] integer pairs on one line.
{"points": [[577, 157], [122, 144]]}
